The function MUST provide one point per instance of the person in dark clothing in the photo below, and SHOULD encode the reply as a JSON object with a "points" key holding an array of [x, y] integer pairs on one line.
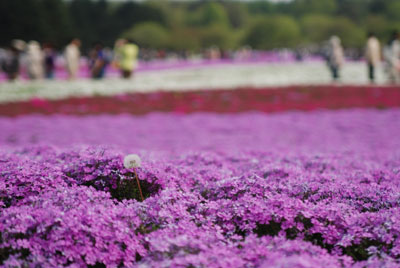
{"points": [[98, 61], [11, 63], [49, 61]]}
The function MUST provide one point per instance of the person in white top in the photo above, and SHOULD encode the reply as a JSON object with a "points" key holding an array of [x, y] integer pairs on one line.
{"points": [[372, 55], [335, 56], [34, 56], [392, 58], [72, 57]]}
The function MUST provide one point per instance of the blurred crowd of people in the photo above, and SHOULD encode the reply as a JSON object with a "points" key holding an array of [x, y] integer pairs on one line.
{"points": [[40, 60], [375, 54]]}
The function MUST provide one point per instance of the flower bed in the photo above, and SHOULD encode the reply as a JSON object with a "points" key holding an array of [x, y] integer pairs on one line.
{"points": [[211, 77], [317, 189], [221, 101]]}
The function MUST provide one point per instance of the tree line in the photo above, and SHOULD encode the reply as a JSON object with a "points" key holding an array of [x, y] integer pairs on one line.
{"points": [[195, 25]]}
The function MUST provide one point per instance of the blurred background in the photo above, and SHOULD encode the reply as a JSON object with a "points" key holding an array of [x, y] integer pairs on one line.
{"points": [[192, 26]]}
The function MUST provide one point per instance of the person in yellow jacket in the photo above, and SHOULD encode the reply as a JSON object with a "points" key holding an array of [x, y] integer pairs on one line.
{"points": [[126, 53]]}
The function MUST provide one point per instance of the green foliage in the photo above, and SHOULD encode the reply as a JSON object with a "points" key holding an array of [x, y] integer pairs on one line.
{"points": [[378, 25], [148, 34], [393, 10], [217, 35], [214, 14], [261, 7], [93, 30], [209, 14], [350, 33], [237, 14], [185, 39], [355, 10], [57, 27], [377, 6], [195, 25], [273, 32], [130, 13], [314, 6], [43, 20], [318, 28]]}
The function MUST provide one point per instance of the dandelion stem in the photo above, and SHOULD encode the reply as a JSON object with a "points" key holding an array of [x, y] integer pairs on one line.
{"points": [[138, 183]]}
